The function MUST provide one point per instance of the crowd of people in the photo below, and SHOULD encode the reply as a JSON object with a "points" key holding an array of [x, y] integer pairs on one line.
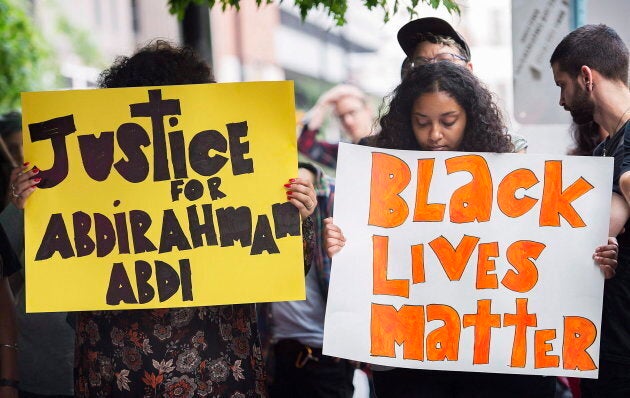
{"points": [[275, 349]]}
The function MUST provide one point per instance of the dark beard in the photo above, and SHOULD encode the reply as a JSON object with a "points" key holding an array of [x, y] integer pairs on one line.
{"points": [[582, 109], [582, 116]]}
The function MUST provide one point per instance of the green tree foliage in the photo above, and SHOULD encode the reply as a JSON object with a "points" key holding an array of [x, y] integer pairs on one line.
{"points": [[335, 8], [22, 54]]}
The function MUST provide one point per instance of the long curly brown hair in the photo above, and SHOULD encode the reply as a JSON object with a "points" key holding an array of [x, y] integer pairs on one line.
{"points": [[485, 130]]}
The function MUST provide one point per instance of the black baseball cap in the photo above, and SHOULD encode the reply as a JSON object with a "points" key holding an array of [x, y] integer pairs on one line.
{"points": [[408, 35]]}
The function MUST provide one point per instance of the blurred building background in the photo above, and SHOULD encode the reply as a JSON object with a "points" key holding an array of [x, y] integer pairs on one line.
{"points": [[272, 43]]}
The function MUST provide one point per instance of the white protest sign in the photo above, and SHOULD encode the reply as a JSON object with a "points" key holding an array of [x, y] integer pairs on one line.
{"points": [[469, 262]]}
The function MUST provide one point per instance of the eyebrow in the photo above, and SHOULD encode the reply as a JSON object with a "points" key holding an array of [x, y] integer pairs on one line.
{"points": [[449, 113]]}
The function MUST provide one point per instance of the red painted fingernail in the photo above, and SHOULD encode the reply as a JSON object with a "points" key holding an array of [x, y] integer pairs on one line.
{"points": [[37, 179], [35, 170], [292, 179], [287, 185], [26, 164], [289, 192]]}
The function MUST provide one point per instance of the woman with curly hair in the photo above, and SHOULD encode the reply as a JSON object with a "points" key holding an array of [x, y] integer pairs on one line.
{"points": [[209, 351], [467, 117], [443, 107]]}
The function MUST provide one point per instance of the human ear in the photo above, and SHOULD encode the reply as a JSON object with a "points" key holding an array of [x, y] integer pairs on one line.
{"points": [[587, 76]]}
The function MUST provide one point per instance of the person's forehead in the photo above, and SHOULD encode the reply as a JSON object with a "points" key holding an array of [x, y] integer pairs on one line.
{"points": [[348, 102], [436, 99], [559, 74], [428, 49]]}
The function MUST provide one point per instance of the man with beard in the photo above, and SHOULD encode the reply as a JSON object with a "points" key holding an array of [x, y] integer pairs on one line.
{"points": [[590, 65]]}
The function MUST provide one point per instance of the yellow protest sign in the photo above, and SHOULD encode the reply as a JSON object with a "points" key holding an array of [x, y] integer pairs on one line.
{"points": [[158, 197]]}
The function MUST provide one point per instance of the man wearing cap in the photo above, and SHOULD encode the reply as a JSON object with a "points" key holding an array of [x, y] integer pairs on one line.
{"points": [[430, 39]]}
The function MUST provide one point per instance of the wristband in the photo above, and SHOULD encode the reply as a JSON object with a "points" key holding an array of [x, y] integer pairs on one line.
{"points": [[9, 383]]}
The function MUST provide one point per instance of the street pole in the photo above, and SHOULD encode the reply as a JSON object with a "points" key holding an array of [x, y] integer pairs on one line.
{"points": [[195, 30], [578, 13]]}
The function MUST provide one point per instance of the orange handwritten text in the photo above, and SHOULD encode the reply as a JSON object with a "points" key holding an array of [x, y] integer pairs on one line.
{"points": [[406, 327], [473, 201]]}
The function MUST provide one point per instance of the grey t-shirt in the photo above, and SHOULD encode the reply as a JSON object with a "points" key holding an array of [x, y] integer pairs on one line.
{"points": [[301, 320]]}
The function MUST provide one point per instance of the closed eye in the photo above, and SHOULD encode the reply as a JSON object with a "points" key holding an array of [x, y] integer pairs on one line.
{"points": [[449, 119], [421, 122]]}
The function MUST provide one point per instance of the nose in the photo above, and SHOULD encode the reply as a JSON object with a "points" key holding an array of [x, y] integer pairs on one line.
{"points": [[435, 135], [562, 102], [348, 120]]}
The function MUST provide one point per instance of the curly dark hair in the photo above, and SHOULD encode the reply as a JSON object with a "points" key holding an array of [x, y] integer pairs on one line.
{"points": [[485, 130], [157, 64]]}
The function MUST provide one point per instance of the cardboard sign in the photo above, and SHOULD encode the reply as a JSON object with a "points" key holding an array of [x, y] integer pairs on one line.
{"points": [[469, 262], [162, 197]]}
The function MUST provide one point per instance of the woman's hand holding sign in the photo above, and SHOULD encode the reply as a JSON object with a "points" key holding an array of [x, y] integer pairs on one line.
{"points": [[606, 257], [333, 237], [23, 184], [301, 194]]}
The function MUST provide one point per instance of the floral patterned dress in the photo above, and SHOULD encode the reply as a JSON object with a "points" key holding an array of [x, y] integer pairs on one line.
{"points": [[179, 352]]}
